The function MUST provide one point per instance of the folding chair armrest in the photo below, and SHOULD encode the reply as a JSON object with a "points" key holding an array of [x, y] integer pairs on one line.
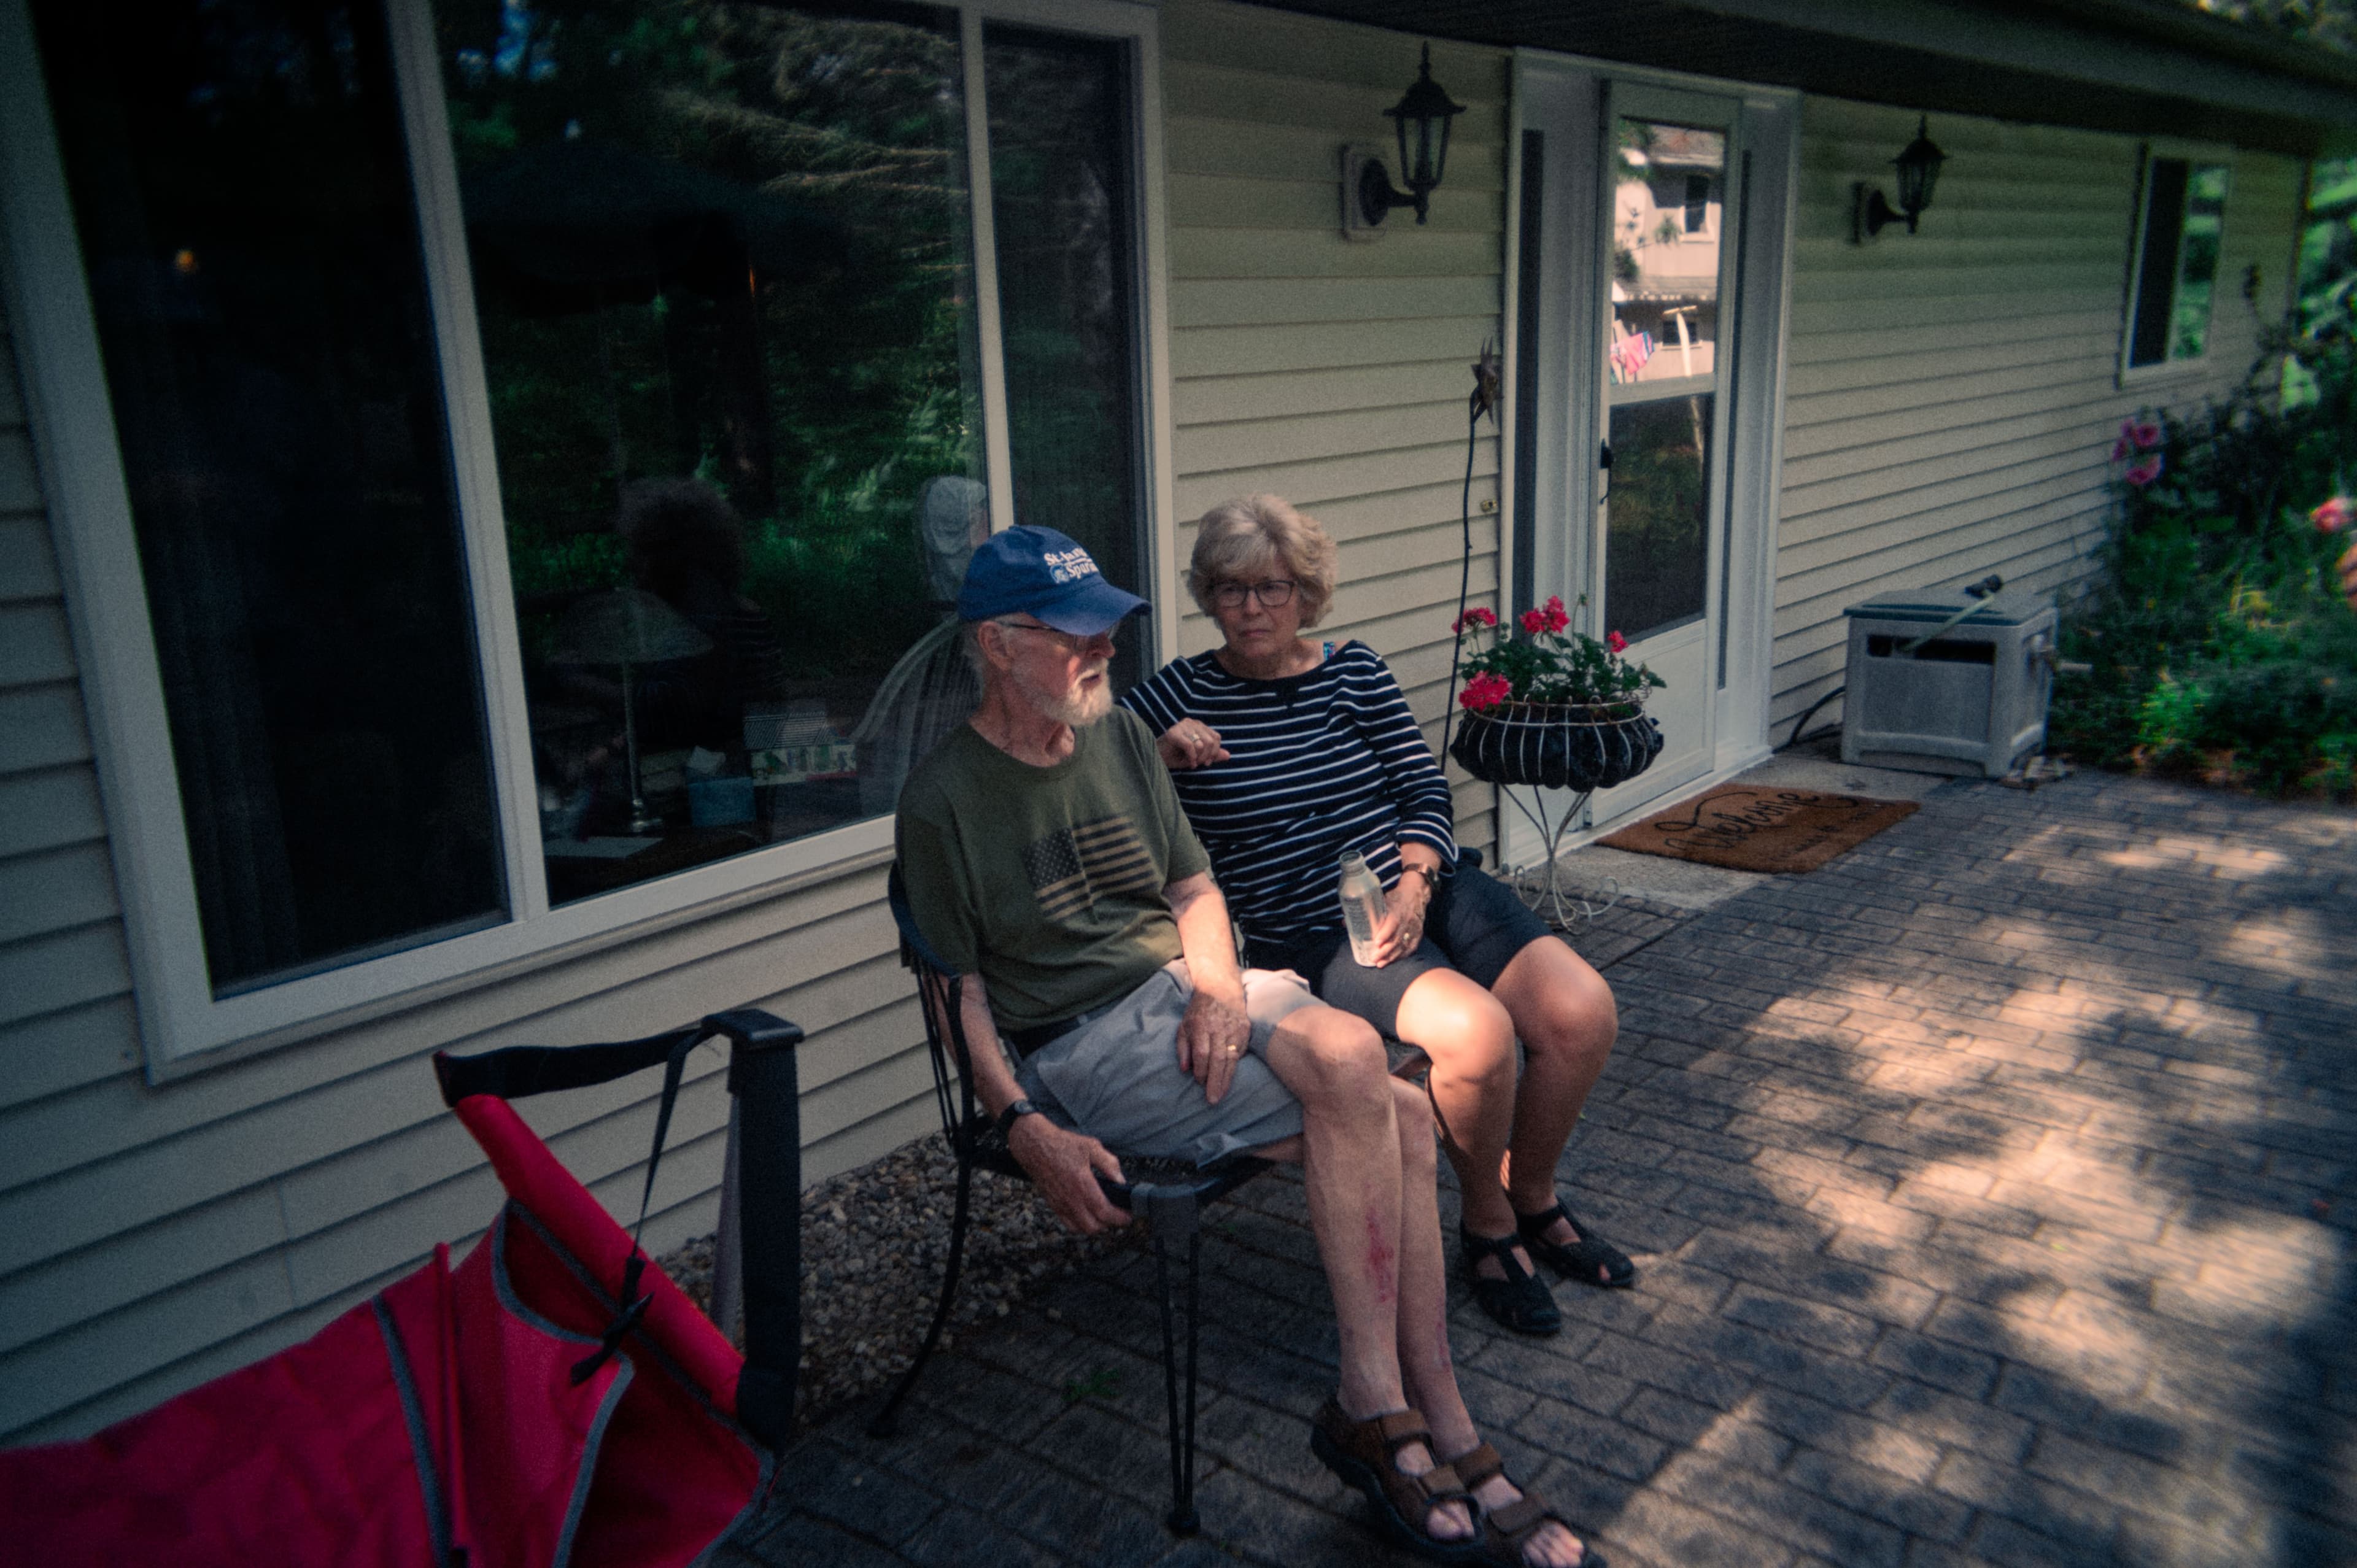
{"points": [[753, 1028], [1151, 1201]]}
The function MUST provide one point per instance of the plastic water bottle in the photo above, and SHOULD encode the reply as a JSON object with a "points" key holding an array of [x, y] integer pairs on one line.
{"points": [[1363, 906]]}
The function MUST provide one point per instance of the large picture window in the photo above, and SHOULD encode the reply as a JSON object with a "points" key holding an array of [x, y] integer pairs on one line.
{"points": [[553, 435], [2180, 221], [723, 270], [242, 203]]}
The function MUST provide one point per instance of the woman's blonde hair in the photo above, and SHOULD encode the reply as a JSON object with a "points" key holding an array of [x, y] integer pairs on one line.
{"points": [[1245, 535]]}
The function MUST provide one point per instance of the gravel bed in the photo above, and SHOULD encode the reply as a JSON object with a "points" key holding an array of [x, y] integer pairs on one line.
{"points": [[874, 1241]]}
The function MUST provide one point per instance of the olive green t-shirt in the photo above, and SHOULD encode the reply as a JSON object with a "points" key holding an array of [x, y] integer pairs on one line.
{"points": [[1046, 881]]}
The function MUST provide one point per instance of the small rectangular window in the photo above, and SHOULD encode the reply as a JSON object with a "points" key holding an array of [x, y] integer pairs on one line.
{"points": [[1698, 203], [2181, 221], [1061, 190]]}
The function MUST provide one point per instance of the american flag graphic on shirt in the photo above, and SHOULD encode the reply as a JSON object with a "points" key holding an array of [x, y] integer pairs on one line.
{"points": [[1073, 868]]}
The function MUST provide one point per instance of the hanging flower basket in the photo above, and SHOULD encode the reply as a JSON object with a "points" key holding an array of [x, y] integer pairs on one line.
{"points": [[1557, 745]]}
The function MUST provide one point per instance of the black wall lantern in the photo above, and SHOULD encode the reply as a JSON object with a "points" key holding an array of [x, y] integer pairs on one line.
{"points": [[1422, 117], [1919, 171]]}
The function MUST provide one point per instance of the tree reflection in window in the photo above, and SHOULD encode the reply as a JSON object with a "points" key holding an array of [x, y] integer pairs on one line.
{"points": [[722, 258]]}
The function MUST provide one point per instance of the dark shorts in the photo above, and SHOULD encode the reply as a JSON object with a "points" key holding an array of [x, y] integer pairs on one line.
{"points": [[1475, 925]]}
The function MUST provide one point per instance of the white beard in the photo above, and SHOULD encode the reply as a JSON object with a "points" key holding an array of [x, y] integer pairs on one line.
{"points": [[1077, 706]]}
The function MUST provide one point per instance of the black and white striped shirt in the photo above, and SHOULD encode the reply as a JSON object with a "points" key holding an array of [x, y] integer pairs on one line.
{"points": [[1319, 763]]}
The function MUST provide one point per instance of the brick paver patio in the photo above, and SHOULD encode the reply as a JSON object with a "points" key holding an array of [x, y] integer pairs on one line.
{"points": [[1993, 1190]]}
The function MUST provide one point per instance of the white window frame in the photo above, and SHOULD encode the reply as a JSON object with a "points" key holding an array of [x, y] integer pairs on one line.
{"points": [[2195, 155], [184, 1027]]}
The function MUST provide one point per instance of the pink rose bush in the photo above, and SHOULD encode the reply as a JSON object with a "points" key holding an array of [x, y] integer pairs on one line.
{"points": [[2135, 435], [2137, 447], [1549, 663]]}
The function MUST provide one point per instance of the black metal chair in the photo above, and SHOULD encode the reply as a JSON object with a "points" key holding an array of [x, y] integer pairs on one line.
{"points": [[1172, 1209]]}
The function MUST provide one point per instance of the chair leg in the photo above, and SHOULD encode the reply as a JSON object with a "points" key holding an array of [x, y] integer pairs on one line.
{"points": [[1182, 1518], [1186, 1510], [886, 1422]]}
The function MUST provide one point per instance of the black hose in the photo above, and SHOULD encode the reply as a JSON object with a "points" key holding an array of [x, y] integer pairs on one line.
{"points": [[1810, 714]]}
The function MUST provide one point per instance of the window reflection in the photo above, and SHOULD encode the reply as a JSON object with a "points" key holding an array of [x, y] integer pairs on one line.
{"points": [[242, 204], [2183, 215], [725, 290], [1061, 198], [1669, 199], [1669, 188], [2197, 261], [1655, 543]]}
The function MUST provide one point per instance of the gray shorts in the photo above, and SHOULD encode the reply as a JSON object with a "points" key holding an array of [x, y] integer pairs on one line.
{"points": [[1117, 1079]]}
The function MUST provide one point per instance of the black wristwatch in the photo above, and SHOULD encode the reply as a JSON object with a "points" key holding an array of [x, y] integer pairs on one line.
{"points": [[1014, 1113]]}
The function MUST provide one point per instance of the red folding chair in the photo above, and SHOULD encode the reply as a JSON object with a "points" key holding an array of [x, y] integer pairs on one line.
{"points": [[551, 1401]]}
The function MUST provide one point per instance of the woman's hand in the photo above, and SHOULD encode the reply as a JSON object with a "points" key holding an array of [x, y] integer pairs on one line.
{"points": [[1190, 743], [1401, 927]]}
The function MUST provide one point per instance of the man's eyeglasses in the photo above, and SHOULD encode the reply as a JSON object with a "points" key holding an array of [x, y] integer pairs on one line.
{"points": [[1072, 641], [1275, 593]]}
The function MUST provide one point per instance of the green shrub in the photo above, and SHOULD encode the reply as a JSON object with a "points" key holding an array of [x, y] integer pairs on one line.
{"points": [[2220, 646]]}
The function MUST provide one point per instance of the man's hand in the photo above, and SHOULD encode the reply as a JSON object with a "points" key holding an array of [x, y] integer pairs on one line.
{"points": [[1212, 1038], [1188, 744], [1063, 1164]]}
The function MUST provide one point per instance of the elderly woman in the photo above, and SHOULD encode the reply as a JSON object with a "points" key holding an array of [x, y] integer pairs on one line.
{"points": [[1287, 753]]}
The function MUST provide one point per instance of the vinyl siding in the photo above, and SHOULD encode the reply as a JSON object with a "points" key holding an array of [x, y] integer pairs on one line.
{"points": [[154, 1236], [1952, 395], [1333, 372]]}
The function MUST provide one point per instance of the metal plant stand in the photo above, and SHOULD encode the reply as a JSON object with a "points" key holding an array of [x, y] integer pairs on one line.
{"points": [[1561, 906], [1543, 746]]}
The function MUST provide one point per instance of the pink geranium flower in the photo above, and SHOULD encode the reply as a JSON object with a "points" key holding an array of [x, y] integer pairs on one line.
{"points": [[2145, 472], [2334, 515], [1553, 619], [2141, 434], [1486, 690], [1616, 642], [1480, 615]]}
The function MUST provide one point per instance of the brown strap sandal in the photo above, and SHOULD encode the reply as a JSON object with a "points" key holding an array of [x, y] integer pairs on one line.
{"points": [[1507, 1529], [1365, 1455]]}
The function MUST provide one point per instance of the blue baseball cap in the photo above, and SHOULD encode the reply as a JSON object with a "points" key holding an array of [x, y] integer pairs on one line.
{"points": [[1038, 572]]}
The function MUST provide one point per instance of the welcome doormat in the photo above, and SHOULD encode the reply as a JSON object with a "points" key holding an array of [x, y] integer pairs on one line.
{"points": [[1751, 828]]}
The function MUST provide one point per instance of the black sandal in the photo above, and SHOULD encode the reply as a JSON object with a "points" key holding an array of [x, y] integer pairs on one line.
{"points": [[1591, 1260], [1521, 1300]]}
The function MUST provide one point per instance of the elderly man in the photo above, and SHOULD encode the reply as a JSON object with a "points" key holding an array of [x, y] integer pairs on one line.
{"points": [[1049, 862]]}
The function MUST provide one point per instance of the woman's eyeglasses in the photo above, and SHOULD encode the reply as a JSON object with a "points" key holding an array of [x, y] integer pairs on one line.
{"points": [[1275, 593]]}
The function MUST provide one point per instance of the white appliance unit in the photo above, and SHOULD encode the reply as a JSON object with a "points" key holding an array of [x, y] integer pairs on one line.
{"points": [[1947, 681]]}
